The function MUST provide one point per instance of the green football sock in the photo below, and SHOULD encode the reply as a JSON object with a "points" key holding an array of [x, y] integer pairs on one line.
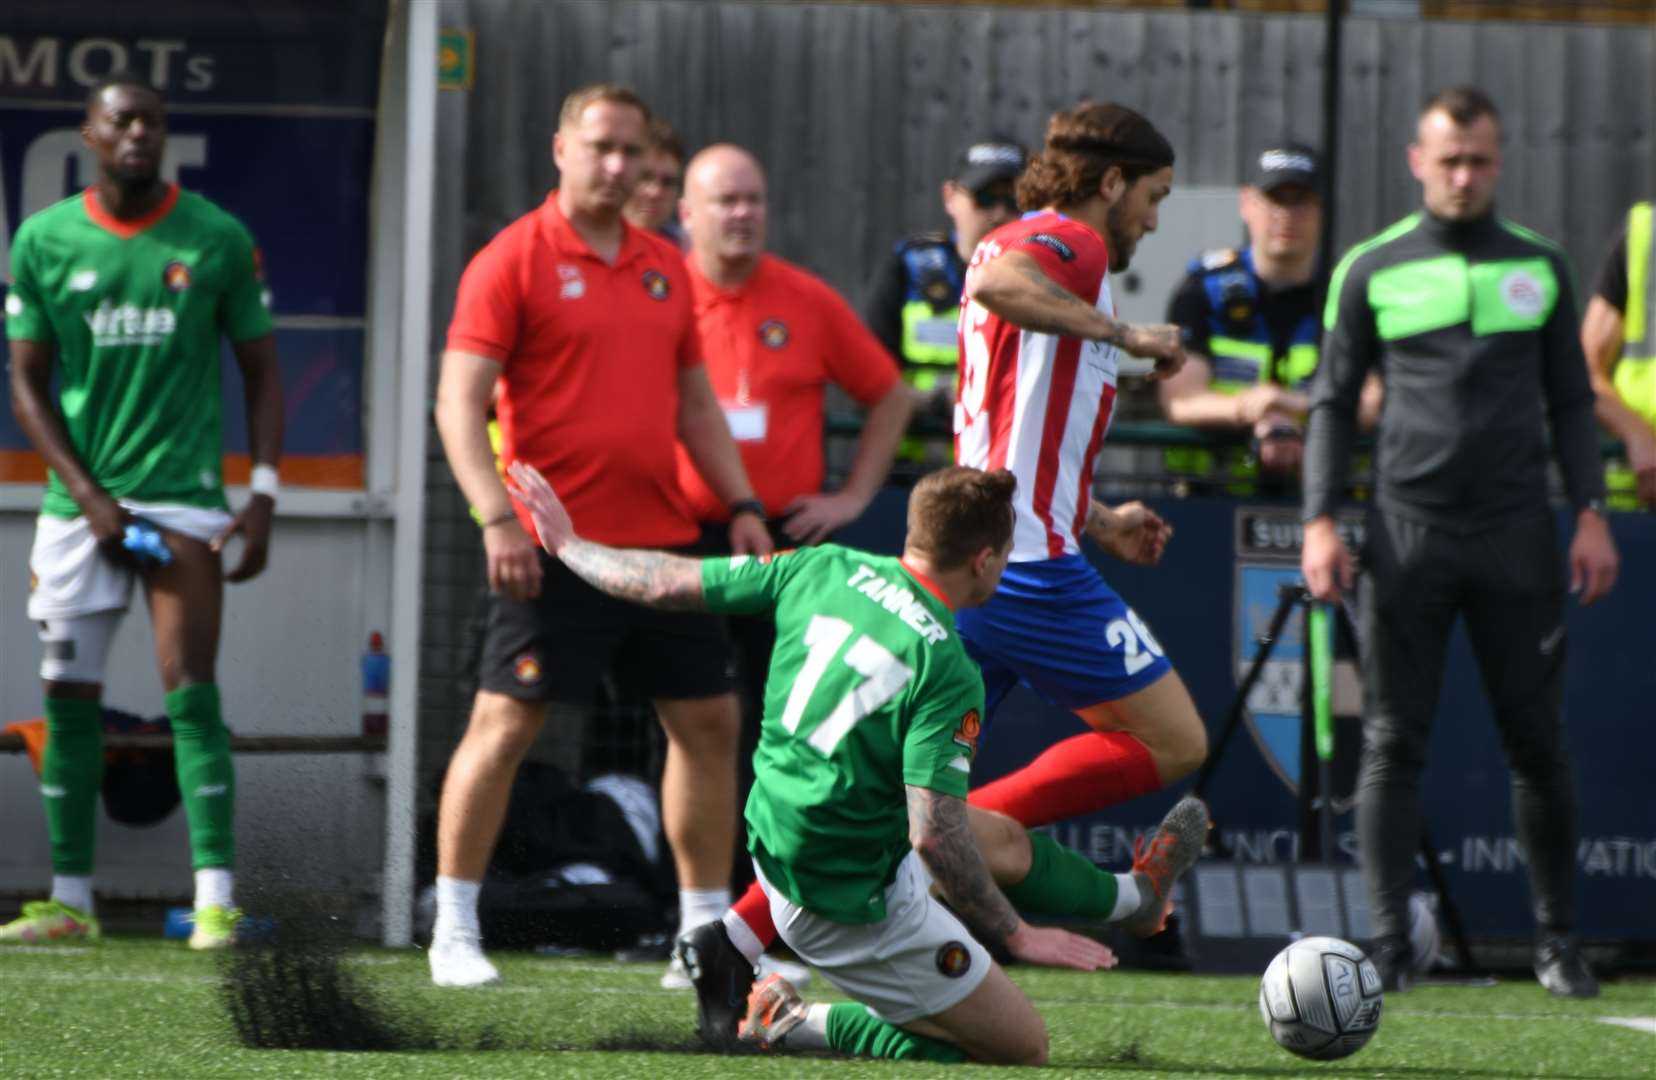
{"points": [[206, 777], [1062, 882], [71, 775], [852, 1029]]}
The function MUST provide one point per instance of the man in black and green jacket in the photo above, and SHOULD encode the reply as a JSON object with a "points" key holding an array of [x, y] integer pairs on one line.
{"points": [[1471, 321]]}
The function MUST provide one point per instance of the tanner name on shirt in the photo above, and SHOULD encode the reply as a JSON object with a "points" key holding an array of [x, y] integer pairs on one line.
{"points": [[898, 599]]}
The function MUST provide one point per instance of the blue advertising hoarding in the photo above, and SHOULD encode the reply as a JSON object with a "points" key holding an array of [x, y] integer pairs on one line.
{"points": [[1212, 592], [271, 111]]}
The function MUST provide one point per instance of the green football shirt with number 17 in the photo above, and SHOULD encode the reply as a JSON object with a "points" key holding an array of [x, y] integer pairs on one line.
{"points": [[869, 690], [135, 311]]}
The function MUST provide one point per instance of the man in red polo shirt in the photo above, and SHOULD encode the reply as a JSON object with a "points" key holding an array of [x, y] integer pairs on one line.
{"points": [[775, 337], [586, 323]]}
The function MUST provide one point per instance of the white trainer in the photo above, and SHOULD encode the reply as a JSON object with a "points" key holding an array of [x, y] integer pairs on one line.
{"points": [[460, 962], [676, 978]]}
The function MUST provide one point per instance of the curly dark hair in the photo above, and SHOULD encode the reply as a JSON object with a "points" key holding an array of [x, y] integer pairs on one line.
{"points": [[1081, 146]]}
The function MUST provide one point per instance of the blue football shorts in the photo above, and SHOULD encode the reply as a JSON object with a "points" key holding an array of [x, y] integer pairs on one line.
{"points": [[1057, 627]]}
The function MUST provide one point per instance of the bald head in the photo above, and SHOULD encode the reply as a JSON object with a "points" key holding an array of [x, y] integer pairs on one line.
{"points": [[724, 209]]}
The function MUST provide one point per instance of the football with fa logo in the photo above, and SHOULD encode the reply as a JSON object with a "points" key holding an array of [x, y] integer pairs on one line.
{"points": [[1320, 998]]}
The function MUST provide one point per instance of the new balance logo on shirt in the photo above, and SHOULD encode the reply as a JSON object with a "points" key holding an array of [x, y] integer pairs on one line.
{"points": [[129, 324]]}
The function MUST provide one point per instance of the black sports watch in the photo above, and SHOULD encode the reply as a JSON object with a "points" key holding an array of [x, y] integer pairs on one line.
{"points": [[748, 506]]}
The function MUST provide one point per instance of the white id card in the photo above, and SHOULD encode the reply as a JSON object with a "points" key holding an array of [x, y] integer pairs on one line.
{"points": [[748, 423]]}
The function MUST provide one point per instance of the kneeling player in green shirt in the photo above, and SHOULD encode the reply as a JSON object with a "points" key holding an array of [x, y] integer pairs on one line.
{"points": [[123, 292], [858, 808]]}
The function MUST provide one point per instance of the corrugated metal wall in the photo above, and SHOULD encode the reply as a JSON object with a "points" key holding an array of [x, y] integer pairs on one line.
{"points": [[857, 110]]}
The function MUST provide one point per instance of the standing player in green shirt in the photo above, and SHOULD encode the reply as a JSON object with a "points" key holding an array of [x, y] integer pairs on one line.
{"points": [[872, 712], [123, 292]]}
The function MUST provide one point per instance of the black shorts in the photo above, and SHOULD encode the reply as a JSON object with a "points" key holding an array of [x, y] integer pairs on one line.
{"points": [[557, 646]]}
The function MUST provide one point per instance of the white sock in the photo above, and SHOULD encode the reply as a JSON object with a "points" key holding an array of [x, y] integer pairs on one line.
{"points": [[74, 890], [697, 906], [215, 887], [456, 910], [1127, 897], [742, 936], [812, 1032]]}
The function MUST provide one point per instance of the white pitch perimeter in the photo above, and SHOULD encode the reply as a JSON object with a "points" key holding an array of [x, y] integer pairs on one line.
{"points": [[1637, 1023]]}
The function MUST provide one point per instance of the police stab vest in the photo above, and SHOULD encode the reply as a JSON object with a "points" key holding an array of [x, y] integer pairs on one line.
{"points": [[1239, 340], [931, 308], [1635, 374]]}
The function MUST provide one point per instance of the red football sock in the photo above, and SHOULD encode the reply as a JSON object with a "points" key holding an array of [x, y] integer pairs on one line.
{"points": [[1076, 776], [753, 908]]}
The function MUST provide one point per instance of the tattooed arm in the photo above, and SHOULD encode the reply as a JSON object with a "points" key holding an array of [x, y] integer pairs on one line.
{"points": [[653, 578], [1013, 286], [942, 838]]}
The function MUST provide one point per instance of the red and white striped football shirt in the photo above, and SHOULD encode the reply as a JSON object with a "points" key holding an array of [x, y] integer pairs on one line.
{"points": [[1039, 404]]}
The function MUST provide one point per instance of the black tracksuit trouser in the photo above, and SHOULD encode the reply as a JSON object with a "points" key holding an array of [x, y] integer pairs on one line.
{"points": [[1508, 583]]}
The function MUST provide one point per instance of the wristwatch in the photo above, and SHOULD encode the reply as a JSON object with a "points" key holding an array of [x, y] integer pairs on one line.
{"points": [[1597, 506], [748, 506]]}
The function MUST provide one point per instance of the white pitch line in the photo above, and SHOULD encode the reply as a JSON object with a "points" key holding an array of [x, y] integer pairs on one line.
{"points": [[1637, 1023]]}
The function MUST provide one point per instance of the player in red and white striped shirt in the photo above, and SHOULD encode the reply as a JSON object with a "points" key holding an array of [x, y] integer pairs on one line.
{"points": [[1040, 353], [1040, 350]]}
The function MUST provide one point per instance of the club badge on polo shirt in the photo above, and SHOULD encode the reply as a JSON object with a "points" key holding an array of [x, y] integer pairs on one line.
{"points": [[774, 333], [573, 285], [655, 283]]}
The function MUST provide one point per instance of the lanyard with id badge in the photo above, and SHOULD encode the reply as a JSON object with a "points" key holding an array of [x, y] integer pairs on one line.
{"points": [[749, 421]]}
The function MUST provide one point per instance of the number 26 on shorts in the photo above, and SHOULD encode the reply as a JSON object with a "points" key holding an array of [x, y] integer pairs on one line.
{"points": [[1139, 648]]}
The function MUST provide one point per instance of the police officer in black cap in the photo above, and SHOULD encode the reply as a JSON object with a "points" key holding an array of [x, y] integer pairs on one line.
{"points": [[1253, 316], [913, 300]]}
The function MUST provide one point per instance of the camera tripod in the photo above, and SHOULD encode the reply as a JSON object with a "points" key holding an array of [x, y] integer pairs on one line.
{"points": [[1316, 788]]}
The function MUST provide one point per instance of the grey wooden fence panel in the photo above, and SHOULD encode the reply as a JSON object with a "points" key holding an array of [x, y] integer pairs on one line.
{"points": [[857, 110]]}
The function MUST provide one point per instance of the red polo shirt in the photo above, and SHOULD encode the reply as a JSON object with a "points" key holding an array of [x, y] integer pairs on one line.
{"points": [[772, 346], [590, 355]]}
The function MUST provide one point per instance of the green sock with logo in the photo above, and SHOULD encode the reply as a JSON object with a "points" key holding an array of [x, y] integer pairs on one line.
{"points": [[71, 775], [1062, 882], [852, 1029], [206, 776]]}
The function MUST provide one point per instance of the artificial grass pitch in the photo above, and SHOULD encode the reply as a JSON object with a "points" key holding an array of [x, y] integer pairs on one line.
{"points": [[141, 1007]]}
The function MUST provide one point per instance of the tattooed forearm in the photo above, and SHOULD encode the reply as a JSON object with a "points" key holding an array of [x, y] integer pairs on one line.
{"points": [[653, 578], [1116, 334], [1069, 315], [1098, 516], [940, 834]]}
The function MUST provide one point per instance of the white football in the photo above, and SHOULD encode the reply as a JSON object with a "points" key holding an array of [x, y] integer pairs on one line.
{"points": [[1320, 998]]}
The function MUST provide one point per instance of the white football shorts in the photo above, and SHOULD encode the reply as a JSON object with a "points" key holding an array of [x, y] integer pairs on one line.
{"points": [[917, 961], [72, 578]]}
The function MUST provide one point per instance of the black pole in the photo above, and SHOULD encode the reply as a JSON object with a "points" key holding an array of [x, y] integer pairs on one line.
{"points": [[1332, 35]]}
